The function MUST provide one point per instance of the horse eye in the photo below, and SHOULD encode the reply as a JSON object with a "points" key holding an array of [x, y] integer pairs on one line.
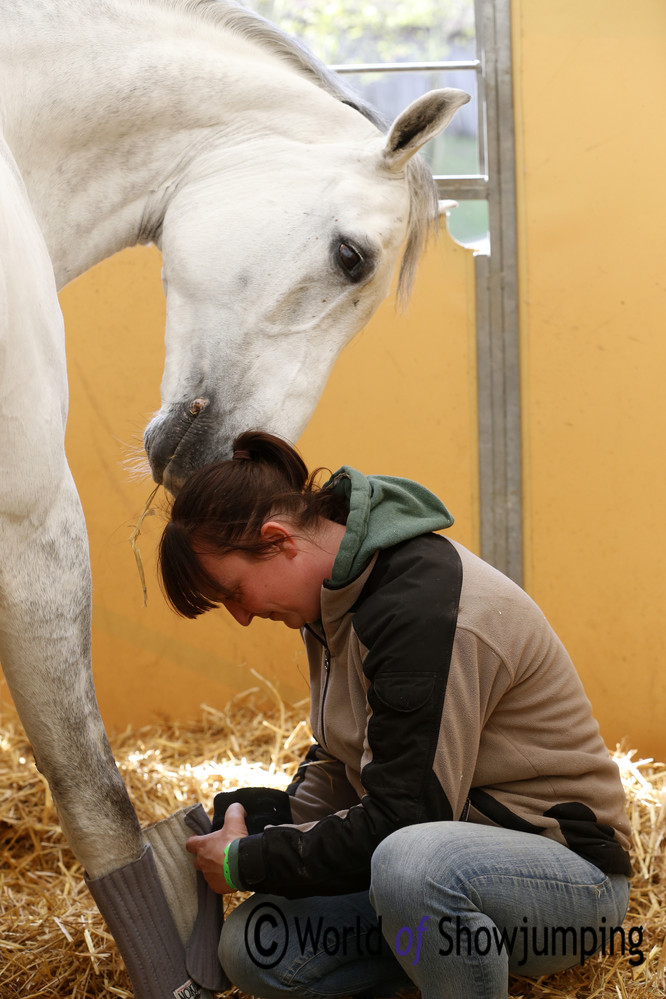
{"points": [[350, 260]]}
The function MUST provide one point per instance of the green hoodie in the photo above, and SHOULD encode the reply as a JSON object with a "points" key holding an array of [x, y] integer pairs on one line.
{"points": [[383, 511]]}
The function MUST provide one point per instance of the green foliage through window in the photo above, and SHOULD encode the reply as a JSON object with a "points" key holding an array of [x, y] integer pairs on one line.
{"points": [[346, 31]]}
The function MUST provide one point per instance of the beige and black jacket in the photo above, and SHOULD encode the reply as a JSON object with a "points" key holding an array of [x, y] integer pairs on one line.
{"points": [[439, 692]]}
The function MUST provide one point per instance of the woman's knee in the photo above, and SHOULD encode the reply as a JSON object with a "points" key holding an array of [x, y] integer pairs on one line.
{"points": [[405, 859]]}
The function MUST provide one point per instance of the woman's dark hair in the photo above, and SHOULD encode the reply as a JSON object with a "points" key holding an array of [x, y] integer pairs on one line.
{"points": [[221, 508]]}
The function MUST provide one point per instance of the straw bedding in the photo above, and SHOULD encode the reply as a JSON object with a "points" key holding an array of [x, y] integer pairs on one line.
{"points": [[53, 943]]}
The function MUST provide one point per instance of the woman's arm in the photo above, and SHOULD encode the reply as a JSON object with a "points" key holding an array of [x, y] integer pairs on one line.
{"points": [[319, 788]]}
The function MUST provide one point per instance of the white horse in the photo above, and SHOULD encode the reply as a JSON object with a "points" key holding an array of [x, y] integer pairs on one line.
{"points": [[280, 208]]}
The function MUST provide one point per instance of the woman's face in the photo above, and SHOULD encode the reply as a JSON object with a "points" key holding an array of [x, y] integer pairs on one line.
{"points": [[285, 586]]}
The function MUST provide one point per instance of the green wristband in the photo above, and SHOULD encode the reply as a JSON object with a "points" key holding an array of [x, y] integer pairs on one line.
{"points": [[227, 872]]}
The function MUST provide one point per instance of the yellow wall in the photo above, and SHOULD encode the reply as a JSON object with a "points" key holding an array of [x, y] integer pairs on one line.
{"points": [[590, 88], [590, 81], [401, 401]]}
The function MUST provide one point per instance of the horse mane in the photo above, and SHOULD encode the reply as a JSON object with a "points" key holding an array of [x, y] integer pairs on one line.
{"points": [[423, 195]]}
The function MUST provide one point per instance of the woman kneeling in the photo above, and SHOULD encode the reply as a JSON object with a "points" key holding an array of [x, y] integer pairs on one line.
{"points": [[458, 816]]}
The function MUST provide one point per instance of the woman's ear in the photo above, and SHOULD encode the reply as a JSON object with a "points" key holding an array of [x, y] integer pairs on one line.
{"points": [[279, 533]]}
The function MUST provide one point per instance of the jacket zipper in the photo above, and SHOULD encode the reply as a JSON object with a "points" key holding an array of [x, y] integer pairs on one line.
{"points": [[327, 670]]}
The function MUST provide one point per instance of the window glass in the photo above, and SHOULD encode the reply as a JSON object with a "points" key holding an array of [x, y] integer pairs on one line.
{"points": [[468, 224], [455, 151], [344, 31]]}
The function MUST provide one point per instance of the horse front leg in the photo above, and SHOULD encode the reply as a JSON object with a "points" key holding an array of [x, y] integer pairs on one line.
{"points": [[45, 651]]}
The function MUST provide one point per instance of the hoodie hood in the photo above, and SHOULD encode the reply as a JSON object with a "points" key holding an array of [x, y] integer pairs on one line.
{"points": [[383, 511]]}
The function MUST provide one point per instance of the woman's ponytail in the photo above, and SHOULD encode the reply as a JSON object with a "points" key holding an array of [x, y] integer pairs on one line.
{"points": [[222, 507], [262, 448]]}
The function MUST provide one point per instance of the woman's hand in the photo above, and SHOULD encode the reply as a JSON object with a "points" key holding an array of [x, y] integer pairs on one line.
{"points": [[209, 850]]}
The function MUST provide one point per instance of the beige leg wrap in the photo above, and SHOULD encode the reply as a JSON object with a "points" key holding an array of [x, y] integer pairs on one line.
{"points": [[196, 909], [163, 917]]}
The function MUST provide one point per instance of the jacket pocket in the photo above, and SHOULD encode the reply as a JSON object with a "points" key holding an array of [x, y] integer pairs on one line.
{"points": [[404, 692]]}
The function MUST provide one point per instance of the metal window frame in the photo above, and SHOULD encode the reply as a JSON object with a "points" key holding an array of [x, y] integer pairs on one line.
{"points": [[497, 326], [496, 278]]}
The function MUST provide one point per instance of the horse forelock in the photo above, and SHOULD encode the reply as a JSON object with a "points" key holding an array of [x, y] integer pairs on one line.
{"points": [[423, 196], [423, 222]]}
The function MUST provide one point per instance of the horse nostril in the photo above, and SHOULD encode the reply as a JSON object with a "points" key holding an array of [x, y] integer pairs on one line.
{"points": [[197, 405]]}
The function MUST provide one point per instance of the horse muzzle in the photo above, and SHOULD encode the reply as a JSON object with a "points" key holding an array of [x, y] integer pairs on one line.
{"points": [[181, 438]]}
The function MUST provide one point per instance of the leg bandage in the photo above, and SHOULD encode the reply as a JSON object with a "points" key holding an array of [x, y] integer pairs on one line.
{"points": [[196, 908], [165, 922]]}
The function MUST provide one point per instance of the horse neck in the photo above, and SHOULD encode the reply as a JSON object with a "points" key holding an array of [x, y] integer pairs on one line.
{"points": [[119, 108]]}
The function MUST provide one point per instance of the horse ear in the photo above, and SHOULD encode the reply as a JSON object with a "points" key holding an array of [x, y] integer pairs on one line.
{"points": [[425, 118]]}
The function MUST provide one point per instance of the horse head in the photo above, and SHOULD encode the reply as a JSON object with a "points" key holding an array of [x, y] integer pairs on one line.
{"points": [[273, 259]]}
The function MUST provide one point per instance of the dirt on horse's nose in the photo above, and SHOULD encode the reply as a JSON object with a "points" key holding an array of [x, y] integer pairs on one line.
{"points": [[197, 405]]}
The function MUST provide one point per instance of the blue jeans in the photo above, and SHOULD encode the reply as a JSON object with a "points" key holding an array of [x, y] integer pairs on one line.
{"points": [[459, 907]]}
